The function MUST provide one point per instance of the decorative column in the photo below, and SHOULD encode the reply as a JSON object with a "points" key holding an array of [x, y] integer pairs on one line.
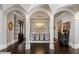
{"points": [[75, 44], [27, 34], [4, 31], [76, 31], [1, 30], [51, 46]]}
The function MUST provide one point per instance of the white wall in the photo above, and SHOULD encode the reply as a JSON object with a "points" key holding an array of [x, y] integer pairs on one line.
{"points": [[10, 34]]}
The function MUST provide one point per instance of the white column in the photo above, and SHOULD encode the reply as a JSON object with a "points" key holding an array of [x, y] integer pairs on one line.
{"points": [[76, 34], [76, 31], [1, 30], [27, 32], [51, 33], [4, 31]]}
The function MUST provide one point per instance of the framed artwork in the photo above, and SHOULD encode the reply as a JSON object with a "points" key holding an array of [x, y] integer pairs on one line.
{"points": [[39, 27], [67, 26], [10, 26]]}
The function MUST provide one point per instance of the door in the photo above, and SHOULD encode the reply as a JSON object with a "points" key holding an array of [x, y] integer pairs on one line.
{"points": [[20, 34]]}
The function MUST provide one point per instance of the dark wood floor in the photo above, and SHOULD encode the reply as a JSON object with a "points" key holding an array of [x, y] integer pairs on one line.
{"points": [[62, 49], [39, 48], [16, 48], [19, 48]]}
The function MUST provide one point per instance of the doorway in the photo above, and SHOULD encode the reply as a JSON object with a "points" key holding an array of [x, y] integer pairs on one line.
{"points": [[63, 31], [20, 34]]}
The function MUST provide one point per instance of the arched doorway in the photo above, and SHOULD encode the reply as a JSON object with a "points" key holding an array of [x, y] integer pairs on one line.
{"points": [[16, 31], [63, 31], [39, 32]]}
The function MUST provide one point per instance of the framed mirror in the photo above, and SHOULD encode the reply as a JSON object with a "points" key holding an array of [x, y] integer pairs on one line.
{"points": [[10, 26]]}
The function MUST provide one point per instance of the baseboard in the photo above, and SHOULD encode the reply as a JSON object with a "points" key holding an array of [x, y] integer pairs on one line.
{"points": [[75, 46], [51, 46], [5, 45], [72, 45], [10, 43]]}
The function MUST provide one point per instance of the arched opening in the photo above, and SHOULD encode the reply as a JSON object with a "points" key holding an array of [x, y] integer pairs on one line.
{"points": [[39, 32], [63, 31], [16, 31]]}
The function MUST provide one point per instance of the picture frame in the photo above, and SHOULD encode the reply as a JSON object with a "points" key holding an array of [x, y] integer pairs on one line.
{"points": [[66, 25]]}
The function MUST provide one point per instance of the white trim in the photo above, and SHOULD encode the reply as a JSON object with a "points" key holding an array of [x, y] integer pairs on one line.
{"points": [[9, 43], [72, 45], [27, 46], [4, 46], [51, 45], [76, 46], [1, 47]]}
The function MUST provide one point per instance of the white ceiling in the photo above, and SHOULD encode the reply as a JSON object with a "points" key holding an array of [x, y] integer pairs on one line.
{"points": [[29, 7], [39, 14], [49, 7]]}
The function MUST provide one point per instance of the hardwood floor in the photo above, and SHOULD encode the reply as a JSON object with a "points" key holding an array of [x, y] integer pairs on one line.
{"points": [[39, 48], [63, 49], [19, 48], [16, 48]]}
